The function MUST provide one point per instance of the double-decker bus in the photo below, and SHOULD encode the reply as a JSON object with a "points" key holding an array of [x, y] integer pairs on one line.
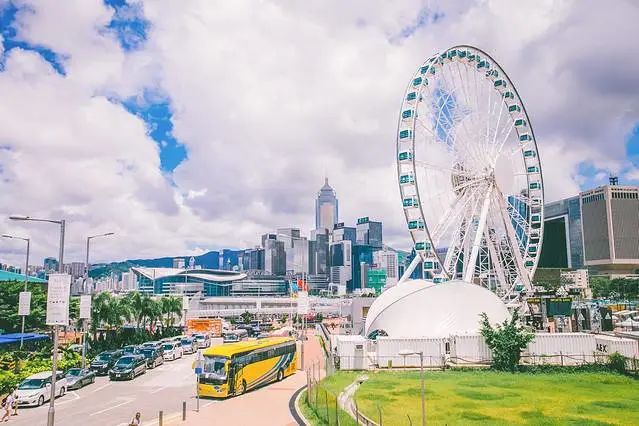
{"points": [[234, 368]]}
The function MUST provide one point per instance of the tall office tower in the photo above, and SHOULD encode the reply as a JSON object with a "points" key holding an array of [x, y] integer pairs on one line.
{"points": [[563, 245], [296, 247], [253, 259], [610, 223], [274, 255], [319, 251], [326, 211], [50, 264], [388, 260], [341, 263], [369, 233], [229, 259], [344, 233], [362, 260]]}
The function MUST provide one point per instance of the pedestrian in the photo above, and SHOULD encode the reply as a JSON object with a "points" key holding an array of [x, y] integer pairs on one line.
{"points": [[15, 402], [136, 420], [7, 406]]}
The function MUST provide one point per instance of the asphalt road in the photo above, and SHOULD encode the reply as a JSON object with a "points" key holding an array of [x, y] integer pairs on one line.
{"points": [[115, 403]]}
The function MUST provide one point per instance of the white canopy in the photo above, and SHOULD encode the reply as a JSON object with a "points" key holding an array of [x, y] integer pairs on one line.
{"points": [[419, 308]]}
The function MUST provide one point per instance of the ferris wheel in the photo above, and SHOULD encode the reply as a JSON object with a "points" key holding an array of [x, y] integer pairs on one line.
{"points": [[469, 174]]}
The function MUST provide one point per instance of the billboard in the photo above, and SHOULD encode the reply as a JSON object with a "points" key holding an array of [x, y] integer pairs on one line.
{"points": [[212, 326]]}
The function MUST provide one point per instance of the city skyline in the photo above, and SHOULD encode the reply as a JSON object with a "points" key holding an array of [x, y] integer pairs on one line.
{"points": [[204, 162]]}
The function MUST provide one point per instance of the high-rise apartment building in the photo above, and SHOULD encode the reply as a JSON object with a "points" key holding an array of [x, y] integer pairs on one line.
{"points": [[610, 219], [326, 210], [50, 264], [369, 233]]}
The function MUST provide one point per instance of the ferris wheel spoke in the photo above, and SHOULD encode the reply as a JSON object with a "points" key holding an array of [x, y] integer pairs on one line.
{"points": [[443, 169], [451, 215]]}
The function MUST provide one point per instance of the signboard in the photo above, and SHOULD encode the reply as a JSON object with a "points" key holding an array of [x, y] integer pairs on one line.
{"points": [[211, 326], [559, 306], [58, 299], [85, 307], [24, 303], [303, 304], [185, 303]]}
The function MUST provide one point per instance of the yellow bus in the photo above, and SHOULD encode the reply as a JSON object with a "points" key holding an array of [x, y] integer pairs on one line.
{"points": [[233, 368]]}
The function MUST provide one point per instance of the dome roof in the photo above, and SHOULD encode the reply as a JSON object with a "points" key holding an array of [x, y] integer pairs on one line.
{"points": [[419, 308]]}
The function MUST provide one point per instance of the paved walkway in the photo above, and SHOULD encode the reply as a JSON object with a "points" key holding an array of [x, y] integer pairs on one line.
{"points": [[265, 406]]}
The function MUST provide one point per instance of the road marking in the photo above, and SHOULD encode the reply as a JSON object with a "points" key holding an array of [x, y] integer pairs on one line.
{"points": [[101, 387], [128, 401], [159, 389], [66, 401], [208, 403]]}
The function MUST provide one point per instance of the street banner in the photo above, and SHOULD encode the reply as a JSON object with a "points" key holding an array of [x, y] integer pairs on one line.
{"points": [[303, 305], [24, 303], [58, 299], [85, 307], [185, 303]]}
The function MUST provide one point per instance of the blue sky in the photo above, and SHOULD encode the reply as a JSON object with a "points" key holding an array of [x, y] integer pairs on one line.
{"points": [[131, 29]]}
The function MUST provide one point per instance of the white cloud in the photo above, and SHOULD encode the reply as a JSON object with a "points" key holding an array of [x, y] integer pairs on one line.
{"points": [[268, 98]]}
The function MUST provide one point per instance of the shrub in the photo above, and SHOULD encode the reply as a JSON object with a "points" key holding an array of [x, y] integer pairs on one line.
{"points": [[506, 341], [617, 363]]}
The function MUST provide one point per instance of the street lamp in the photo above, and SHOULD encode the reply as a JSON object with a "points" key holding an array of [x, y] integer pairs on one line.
{"points": [[26, 277], [54, 360], [405, 353], [84, 291]]}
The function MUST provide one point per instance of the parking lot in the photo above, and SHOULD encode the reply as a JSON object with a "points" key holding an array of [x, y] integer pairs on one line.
{"points": [[114, 403]]}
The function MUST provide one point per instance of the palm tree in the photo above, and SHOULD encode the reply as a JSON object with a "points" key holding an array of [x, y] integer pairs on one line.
{"points": [[136, 302], [171, 307], [152, 311], [99, 308]]}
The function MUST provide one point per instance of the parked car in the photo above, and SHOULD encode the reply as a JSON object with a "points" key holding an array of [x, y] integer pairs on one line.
{"points": [[75, 348], [202, 340], [78, 377], [129, 349], [104, 361], [152, 344], [36, 389], [153, 356], [128, 367], [189, 345], [172, 351]]}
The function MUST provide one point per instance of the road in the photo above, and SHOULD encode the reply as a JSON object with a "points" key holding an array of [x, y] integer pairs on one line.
{"points": [[115, 403]]}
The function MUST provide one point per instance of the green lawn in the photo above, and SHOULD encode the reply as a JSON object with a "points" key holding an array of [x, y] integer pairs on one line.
{"points": [[488, 397]]}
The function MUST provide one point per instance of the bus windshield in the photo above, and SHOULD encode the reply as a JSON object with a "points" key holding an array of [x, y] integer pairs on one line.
{"points": [[214, 367]]}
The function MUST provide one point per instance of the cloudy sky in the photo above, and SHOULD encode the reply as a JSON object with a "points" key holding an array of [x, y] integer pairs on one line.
{"points": [[184, 126]]}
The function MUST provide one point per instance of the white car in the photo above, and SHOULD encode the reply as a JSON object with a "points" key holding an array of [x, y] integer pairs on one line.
{"points": [[202, 340], [36, 389], [172, 351]]}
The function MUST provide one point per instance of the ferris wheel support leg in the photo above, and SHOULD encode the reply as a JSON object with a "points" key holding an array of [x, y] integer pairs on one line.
{"points": [[410, 268], [470, 266]]}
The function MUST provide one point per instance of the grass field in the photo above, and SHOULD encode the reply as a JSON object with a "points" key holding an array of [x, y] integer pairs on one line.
{"points": [[487, 397]]}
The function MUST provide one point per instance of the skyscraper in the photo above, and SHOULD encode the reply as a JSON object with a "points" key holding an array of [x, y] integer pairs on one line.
{"points": [[369, 232], [326, 212]]}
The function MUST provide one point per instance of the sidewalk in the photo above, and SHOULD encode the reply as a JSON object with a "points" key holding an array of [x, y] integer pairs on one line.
{"points": [[264, 406]]}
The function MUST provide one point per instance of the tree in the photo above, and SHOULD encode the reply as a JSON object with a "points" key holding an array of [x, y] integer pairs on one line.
{"points": [[10, 321], [171, 307], [246, 317], [506, 341]]}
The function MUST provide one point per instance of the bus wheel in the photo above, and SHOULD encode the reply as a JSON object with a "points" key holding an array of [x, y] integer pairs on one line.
{"points": [[242, 388], [280, 375]]}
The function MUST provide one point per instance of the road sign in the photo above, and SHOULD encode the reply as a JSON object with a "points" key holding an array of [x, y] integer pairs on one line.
{"points": [[85, 307], [24, 303], [58, 299], [185, 303], [303, 305]]}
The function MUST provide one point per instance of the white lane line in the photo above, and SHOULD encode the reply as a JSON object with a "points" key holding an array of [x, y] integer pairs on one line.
{"points": [[101, 387], [66, 401], [159, 389], [128, 401]]}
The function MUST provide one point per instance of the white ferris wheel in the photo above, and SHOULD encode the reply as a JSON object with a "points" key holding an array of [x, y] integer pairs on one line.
{"points": [[469, 174]]}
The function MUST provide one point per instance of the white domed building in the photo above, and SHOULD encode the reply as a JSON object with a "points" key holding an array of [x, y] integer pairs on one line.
{"points": [[419, 308]]}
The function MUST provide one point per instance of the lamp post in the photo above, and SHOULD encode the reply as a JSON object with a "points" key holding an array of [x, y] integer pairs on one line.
{"points": [[26, 277], [407, 352], [54, 358], [84, 291]]}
